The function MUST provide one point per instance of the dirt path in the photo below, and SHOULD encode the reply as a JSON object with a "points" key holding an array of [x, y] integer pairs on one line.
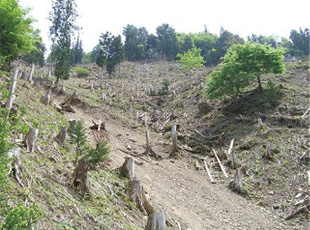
{"points": [[183, 194]]}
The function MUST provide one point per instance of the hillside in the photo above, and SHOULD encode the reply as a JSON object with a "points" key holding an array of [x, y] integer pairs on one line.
{"points": [[273, 187]]}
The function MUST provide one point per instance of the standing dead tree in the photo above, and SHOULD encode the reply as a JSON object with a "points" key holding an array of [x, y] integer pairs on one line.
{"points": [[174, 136], [31, 139], [9, 103], [128, 168], [47, 98], [156, 222], [149, 151], [237, 184]]}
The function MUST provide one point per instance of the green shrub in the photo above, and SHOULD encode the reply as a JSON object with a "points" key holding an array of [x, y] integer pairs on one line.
{"points": [[22, 218], [271, 94], [81, 72]]}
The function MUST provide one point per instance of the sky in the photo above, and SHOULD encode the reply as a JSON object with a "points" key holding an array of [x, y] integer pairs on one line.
{"points": [[243, 17]]}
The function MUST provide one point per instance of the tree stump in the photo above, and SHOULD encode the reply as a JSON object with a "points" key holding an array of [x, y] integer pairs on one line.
{"points": [[237, 184], [149, 151], [267, 154], [136, 194], [80, 176], [15, 73], [156, 222], [62, 90], [16, 165], [72, 124], [46, 99], [10, 102], [128, 168], [232, 155], [31, 139], [49, 72], [31, 73], [174, 136], [62, 136]]}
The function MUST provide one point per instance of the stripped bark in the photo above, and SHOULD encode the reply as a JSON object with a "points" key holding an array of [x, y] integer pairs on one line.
{"points": [[31, 139], [174, 141], [209, 172], [128, 168], [232, 155], [221, 166], [156, 222]]}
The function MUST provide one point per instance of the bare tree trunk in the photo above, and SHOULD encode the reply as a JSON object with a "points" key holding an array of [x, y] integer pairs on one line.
{"points": [[128, 168], [260, 88], [237, 184], [156, 222], [15, 72], [57, 82], [31, 72], [136, 194], [31, 139], [62, 136], [174, 141]]}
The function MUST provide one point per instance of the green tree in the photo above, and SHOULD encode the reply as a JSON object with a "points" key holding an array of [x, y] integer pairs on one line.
{"points": [[240, 65], [111, 52], [222, 44], [192, 59], [76, 52], [62, 16], [167, 41], [36, 56], [300, 42], [15, 32]]}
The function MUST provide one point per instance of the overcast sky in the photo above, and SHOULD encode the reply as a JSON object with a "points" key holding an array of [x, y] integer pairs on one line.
{"points": [[244, 17]]}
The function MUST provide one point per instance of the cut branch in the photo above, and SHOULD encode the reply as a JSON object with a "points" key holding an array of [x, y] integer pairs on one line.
{"points": [[209, 172], [221, 166]]}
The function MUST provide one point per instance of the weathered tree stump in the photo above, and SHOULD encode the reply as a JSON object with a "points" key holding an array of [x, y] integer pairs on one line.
{"points": [[72, 124], [49, 72], [136, 194], [16, 165], [31, 139], [9, 103], [149, 151], [57, 82], [80, 176], [237, 184], [260, 124], [128, 168], [156, 221], [232, 155], [46, 99], [267, 154], [62, 90], [62, 136], [31, 73], [174, 136]]}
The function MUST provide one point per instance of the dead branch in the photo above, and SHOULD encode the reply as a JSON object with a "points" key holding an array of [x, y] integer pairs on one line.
{"points": [[209, 172], [221, 166]]}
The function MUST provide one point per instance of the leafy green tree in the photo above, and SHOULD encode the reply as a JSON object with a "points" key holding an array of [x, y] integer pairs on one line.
{"points": [[62, 16], [15, 32], [79, 139], [36, 56], [76, 52], [240, 65], [111, 53], [266, 40], [300, 42], [167, 41], [192, 59], [222, 44], [135, 42]]}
